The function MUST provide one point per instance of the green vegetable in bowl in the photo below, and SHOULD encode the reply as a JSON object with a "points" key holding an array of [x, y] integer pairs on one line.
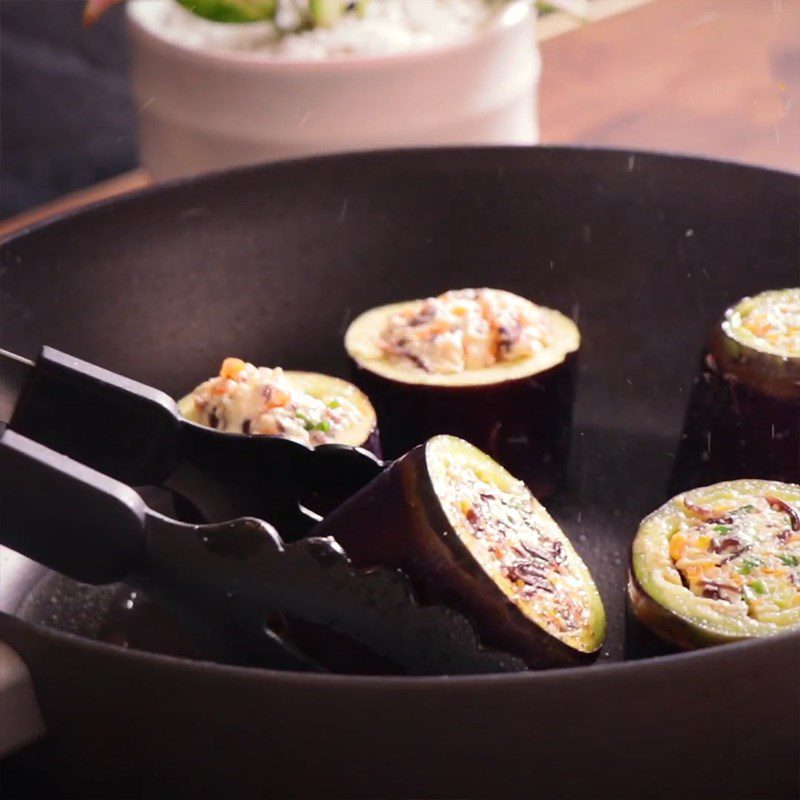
{"points": [[318, 14], [232, 10], [325, 13]]}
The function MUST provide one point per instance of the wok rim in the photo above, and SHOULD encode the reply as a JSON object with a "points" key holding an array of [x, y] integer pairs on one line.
{"points": [[686, 659], [394, 152]]}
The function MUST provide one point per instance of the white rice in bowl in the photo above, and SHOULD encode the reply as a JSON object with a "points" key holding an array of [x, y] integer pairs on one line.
{"points": [[386, 27]]}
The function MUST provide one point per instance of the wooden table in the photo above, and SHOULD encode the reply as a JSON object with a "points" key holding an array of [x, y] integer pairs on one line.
{"points": [[718, 78]]}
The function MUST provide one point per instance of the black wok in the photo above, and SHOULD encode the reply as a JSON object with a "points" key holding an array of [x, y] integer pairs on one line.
{"points": [[271, 263]]}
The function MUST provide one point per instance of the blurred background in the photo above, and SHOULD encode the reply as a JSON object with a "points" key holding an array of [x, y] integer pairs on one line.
{"points": [[712, 77], [66, 117]]}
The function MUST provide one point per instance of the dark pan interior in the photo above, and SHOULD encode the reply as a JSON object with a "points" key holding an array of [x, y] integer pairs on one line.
{"points": [[644, 251]]}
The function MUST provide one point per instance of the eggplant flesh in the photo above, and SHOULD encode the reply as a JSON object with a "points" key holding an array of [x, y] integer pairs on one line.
{"points": [[519, 412], [364, 433], [220, 472], [522, 585], [758, 342], [719, 564], [743, 416]]}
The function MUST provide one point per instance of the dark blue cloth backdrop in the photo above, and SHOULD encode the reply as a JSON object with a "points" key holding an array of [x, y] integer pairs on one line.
{"points": [[66, 116]]}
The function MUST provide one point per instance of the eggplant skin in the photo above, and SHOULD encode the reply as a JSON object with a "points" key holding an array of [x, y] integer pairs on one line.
{"points": [[733, 429], [743, 415], [397, 521], [373, 443], [525, 423], [518, 411], [770, 371], [671, 627]]}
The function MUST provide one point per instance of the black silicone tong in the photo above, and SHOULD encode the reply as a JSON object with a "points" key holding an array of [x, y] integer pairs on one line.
{"points": [[96, 529], [134, 433]]}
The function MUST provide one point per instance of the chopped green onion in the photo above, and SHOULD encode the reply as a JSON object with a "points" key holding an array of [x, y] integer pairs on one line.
{"points": [[324, 13], [758, 587], [790, 561], [747, 566], [334, 404], [310, 425], [232, 10], [722, 528], [307, 423]]}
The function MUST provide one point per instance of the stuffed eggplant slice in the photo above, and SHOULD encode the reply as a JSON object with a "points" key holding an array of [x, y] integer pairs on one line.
{"points": [[307, 407], [482, 364], [743, 416], [719, 564], [472, 537]]}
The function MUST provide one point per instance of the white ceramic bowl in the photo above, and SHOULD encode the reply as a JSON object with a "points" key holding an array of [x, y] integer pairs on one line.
{"points": [[202, 110]]}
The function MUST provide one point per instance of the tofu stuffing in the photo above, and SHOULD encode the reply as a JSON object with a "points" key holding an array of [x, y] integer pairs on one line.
{"points": [[464, 329], [254, 400]]}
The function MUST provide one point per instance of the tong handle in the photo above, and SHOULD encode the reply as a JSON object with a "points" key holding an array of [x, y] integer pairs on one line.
{"points": [[121, 427], [67, 516], [94, 529], [135, 434]]}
